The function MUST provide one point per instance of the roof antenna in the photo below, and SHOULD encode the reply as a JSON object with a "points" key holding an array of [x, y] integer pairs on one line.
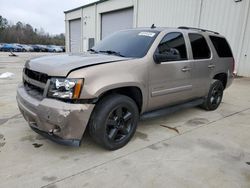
{"points": [[153, 26]]}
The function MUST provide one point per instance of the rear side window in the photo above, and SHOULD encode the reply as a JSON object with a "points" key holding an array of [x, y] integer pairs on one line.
{"points": [[199, 46], [173, 44], [221, 46]]}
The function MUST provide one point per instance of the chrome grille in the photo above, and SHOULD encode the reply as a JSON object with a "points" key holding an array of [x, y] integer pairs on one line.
{"points": [[35, 83], [41, 77]]}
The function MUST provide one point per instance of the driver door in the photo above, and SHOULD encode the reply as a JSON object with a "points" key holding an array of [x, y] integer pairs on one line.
{"points": [[170, 80]]}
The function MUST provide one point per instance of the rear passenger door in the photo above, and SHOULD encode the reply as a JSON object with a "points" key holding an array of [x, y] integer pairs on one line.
{"points": [[203, 65]]}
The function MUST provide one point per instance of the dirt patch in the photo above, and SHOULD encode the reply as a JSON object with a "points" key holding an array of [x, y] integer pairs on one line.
{"points": [[64, 157], [52, 186], [209, 144], [246, 176], [197, 121], [30, 138], [1, 136], [233, 156], [126, 162], [165, 144], [153, 147], [49, 178], [2, 121], [2, 144], [36, 145], [38, 137], [141, 136]]}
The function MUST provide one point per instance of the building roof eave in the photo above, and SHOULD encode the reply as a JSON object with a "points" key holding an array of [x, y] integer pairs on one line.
{"points": [[84, 6]]}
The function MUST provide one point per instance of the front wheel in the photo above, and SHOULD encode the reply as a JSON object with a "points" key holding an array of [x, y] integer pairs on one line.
{"points": [[214, 97], [114, 121]]}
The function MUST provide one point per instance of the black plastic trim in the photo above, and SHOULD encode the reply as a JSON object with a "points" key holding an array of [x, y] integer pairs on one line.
{"points": [[171, 109], [57, 139], [77, 101], [199, 29]]}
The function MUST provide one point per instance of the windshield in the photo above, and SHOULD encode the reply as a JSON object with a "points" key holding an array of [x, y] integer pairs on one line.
{"points": [[129, 43]]}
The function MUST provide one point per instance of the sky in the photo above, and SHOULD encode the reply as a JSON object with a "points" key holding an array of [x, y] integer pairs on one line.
{"points": [[46, 14]]}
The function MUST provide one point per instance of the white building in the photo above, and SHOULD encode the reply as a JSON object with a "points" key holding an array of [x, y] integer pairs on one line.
{"points": [[88, 24]]}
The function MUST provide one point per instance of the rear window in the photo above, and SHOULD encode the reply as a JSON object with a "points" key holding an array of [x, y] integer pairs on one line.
{"points": [[221, 46], [199, 46]]}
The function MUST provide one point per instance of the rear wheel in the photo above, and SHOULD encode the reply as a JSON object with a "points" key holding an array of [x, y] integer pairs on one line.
{"points": [[214, 97], [114, 121]]}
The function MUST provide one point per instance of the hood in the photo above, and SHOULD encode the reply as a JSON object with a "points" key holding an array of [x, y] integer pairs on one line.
{"points": [[61, 65]]}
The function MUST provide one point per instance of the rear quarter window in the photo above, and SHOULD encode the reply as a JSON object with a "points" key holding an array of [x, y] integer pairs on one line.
{"points": [[221, 46]]}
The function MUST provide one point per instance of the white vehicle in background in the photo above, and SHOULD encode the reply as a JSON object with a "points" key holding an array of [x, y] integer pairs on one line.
{"points": [[54, 48], [26, 48]]}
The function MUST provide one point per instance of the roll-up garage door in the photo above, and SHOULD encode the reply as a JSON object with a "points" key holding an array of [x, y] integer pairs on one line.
{"points": [[116, 20], [75, 35]]}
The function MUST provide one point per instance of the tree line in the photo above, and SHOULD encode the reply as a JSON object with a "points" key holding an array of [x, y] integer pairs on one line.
{"points": [[25, 34]]}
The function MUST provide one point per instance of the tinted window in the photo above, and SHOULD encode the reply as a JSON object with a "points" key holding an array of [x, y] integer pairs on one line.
{"points": [[221, 46], [173, 45], [130, 43], [199, 46]]}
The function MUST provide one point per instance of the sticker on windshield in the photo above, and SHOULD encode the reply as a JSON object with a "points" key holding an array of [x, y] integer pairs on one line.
{"points": [[148, 34]]}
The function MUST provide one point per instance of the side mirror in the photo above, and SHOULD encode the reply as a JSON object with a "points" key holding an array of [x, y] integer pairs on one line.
{"points": [[159, 58], [172, 55]]}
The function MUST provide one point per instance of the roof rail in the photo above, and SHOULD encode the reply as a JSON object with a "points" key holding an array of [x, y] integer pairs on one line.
{"points": [[199, 29]]}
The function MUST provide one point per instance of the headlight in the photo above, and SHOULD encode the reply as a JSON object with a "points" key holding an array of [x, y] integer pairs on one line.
{"points": [[65, 88]]}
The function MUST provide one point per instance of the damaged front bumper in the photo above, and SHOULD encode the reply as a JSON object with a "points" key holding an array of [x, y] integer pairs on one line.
{"points": [[61, 122]]}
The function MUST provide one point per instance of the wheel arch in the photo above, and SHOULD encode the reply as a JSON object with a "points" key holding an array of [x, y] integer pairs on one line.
{"points": [[221, 77], [133, 92]]}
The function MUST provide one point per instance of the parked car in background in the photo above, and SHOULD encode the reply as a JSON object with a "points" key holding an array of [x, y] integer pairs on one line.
{"points": [[53, 48], [15, 47], [43, 48], [63, 48], [1, 46], [11, 48], [39, 48], [26, 48]]}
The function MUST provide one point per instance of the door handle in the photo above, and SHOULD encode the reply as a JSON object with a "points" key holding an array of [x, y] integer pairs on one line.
{"points": [[211, 66], [186, 69]]}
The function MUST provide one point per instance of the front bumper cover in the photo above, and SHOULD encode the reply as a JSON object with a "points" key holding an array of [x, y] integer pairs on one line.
{"points": [[64, 123]]}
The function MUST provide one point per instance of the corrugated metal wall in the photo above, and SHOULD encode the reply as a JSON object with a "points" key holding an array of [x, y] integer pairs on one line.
{"points": [[170, 13], [244, 65], [225, 16]]}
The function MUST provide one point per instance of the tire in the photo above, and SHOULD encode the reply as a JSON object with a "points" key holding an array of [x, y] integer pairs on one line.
{"points": [[214, 97], [114, 121]]}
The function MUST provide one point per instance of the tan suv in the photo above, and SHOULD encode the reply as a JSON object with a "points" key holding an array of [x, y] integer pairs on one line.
{"points": [[130, 74]]}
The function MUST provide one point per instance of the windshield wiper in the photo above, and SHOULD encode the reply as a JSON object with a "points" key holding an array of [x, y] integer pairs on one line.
{"points": [[92, 50], [111, 52]]}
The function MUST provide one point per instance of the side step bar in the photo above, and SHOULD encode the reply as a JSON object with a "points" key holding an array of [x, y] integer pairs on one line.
{"points": [[171, 109]]}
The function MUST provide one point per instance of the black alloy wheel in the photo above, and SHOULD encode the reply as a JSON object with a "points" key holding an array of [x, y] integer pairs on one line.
{"points": [[114, 121], [119, 123], [214, 97]]}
